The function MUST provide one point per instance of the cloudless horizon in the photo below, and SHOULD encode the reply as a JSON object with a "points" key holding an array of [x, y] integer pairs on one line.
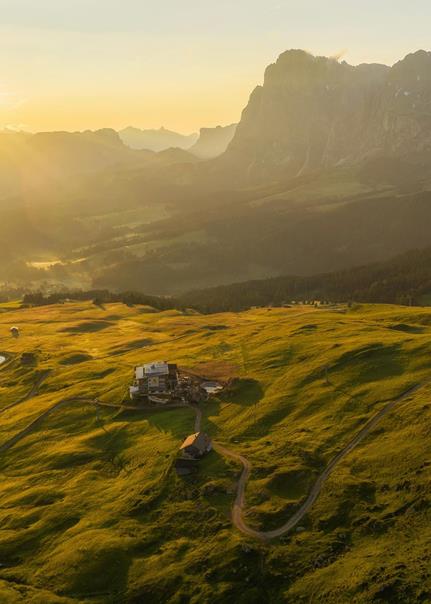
{"points": [[89, 64]]}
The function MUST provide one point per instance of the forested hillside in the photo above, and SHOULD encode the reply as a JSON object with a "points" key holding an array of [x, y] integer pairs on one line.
{"points": [[405, 279]]}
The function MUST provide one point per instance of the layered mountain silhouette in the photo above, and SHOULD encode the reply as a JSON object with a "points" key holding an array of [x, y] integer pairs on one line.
{"points": [[156, 140], [48, 159], [209, 143], [329, 167]]}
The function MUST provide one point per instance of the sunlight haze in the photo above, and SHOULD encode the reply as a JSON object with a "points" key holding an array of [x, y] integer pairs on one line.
{"points": [[183, 65]]}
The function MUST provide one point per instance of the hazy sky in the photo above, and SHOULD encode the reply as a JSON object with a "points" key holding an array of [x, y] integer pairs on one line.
{"points": [[77, 64]]}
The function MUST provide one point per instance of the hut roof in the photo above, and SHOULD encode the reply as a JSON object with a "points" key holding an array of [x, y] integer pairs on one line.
{"points": [[200, 440]]}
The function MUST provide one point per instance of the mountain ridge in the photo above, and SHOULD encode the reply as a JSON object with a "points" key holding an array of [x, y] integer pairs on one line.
{"points": [[155, 140], [315, 112]]}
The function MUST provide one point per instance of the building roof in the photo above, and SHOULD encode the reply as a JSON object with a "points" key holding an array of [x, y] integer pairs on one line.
{"points": [[200, 440], [156, 368]]}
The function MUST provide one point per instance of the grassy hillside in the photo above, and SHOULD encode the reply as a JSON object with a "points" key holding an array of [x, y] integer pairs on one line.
{"points": [[91, 511]]}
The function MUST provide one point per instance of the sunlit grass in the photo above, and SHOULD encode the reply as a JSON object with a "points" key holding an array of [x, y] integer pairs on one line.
{"points": [[91, 510]]}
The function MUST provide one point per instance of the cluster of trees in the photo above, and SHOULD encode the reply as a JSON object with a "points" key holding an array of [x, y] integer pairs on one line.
{"points": [[100, 297], [405, 279]]}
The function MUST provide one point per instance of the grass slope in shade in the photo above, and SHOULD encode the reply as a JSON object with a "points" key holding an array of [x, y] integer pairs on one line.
{"points": [[91, 511]]}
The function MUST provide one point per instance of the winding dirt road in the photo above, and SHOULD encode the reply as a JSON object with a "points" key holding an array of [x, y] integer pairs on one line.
{"points": [[238, 506], [239, 503]]}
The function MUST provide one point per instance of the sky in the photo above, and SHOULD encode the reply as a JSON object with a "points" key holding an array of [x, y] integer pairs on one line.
{"points": [[181, 64]]}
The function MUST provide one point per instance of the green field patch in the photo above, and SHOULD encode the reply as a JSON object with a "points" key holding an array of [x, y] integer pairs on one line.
{"points": [[292, 484], [80, 563]]}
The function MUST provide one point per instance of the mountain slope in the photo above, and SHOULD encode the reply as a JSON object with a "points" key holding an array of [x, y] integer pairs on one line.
{"points": [[315, 112], [405, 279], [92, 510], [329, 168], [50, 159], [323, 224]]}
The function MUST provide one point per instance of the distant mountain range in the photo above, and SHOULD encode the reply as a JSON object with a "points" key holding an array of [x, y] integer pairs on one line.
{"points": [[156, 140], [46, 159], [329, 168], [209, 143]]}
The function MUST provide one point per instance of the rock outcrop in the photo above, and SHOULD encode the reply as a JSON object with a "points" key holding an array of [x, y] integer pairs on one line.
{"points": [[213, 142], [315, 112]]}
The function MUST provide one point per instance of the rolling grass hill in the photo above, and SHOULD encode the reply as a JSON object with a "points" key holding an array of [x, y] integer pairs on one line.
{"points": [[91, 510]]}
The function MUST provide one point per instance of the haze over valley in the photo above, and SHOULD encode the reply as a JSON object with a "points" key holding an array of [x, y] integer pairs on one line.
{"points": [[327, 169], [215, 302]]}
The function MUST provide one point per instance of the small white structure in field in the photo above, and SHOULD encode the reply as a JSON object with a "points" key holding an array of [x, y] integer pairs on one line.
{"points": [[14, 331], [211, 387]]}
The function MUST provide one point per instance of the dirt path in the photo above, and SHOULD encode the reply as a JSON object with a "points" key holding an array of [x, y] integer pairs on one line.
{"points": [[85, 401], [198, 418], [238, 506], [28, 429], [32, 392], [239, 503]]}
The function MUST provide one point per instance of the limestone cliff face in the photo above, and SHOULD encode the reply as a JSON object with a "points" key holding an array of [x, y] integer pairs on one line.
{"points": [[402, 124], [213, 142], [315, 112]]}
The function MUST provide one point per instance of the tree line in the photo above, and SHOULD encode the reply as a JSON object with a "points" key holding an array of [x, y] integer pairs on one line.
{"points": [[405, 280]]}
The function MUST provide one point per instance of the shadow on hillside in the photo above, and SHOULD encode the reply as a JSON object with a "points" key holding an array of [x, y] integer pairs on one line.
{"points": [[407, 328], [178, 422], [134, 345], [75, 359], [243, 391], [87, 327]]}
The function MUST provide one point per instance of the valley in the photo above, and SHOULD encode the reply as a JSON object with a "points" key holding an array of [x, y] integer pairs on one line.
{"points": [[215, 302], [91, 488], [328, 169]]}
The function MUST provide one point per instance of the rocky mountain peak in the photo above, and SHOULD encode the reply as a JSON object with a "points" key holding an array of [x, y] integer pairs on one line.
{"points": [[314, 112]]}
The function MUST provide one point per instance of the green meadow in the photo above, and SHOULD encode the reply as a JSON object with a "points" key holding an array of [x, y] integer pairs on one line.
{"points": [[91, 510]]}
